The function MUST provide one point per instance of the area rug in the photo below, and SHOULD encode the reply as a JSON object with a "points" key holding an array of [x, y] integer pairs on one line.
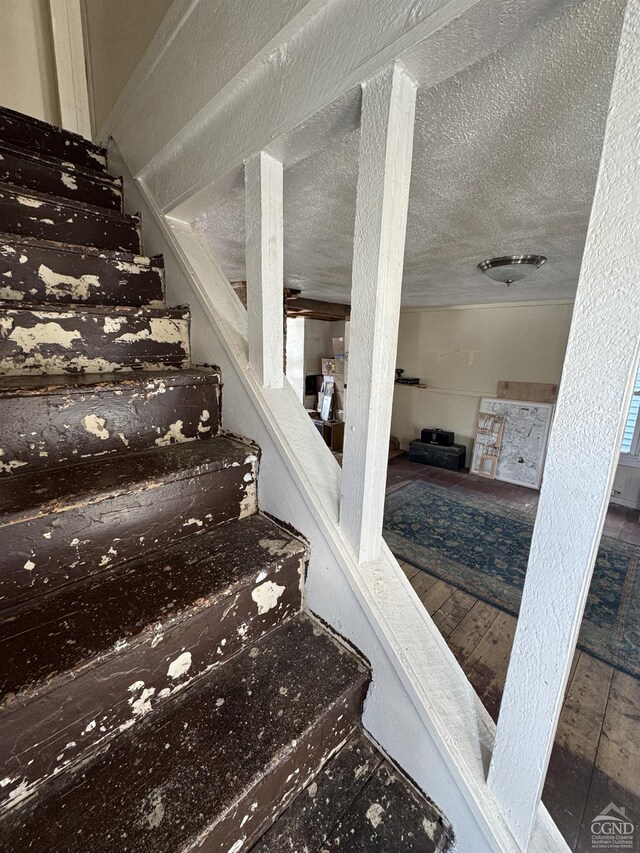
{"points": [[483, 549]]}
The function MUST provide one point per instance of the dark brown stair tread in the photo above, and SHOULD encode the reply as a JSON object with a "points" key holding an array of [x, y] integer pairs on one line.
{"points": [[69, 203], [63, 165], [30, 171], [53, 421], [80, 249], [218, 764], [308, 821], [358, 802], [43, 339], [201, 623], [43, 271], [28, 495], [55, 632], [32, 134], [180, 312], [389, 814], [27, 212], [82, 383]]}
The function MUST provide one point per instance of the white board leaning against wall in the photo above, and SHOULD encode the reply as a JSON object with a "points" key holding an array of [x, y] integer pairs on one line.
{"points": [[523, 445]]}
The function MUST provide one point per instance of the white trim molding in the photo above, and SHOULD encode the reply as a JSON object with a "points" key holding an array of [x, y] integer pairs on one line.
{"points": [[69, 48]]}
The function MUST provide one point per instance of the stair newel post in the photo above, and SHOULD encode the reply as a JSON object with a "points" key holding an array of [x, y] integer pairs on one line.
{"points": [[264, 263], [386, 145], [597, 382]]}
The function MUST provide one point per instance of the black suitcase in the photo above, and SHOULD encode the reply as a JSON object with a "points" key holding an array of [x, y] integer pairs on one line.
{"points": [[452, 457], [435, 435]]}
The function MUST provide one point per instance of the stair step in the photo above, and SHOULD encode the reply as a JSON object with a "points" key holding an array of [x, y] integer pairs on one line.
{"points": [[388, 815], [50, 421], [308, 821], [93, 339], [100, 513], [58, 178], [213, 768], [31, 134], [45, 217], [358, 802], [49, 272], [71, 658]]}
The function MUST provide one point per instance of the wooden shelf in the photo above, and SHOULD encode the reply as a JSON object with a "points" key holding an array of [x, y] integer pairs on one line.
{"points": [[406, 385]]}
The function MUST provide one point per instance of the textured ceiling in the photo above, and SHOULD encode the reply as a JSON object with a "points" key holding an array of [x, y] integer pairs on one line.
{"points": [[505, 161]]}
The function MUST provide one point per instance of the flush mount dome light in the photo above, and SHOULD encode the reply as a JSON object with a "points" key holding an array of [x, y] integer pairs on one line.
{"points": [[511, 268]]}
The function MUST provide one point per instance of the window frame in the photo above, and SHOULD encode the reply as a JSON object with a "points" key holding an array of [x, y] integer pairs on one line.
{"points": [[632, 458]]}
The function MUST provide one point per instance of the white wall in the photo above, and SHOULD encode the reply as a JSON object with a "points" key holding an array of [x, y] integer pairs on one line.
{"points": [[462, 354], [318, 342], [27, 65], [117, 34], [295, 355]]}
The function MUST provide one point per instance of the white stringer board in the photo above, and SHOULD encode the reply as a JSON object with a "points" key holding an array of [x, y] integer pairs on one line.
{"points": [[524, 439]]}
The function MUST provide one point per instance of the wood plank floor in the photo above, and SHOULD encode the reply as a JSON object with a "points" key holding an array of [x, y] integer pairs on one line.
{"points": [[596, 757]]}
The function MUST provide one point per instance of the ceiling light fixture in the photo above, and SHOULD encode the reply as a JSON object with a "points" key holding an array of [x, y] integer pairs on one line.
{"points": [[510, 268]]}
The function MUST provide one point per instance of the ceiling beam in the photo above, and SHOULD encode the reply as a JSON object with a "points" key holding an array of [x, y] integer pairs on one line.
{"points": [[314, 309]]}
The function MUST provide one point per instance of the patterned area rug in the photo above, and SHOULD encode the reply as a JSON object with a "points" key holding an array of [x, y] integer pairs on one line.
{"points": [[484, 550]]}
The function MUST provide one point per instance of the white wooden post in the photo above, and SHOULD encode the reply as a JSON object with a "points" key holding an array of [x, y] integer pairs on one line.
{"points": [[386, 144], [295, 355], [71, 73], [600, 364], [264, 262]]}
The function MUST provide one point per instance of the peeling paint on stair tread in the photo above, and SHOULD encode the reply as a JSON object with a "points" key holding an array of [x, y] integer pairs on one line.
{"points": [[58, 272], [91, 339], [266, 596], [328, 685], [219, 562], [208, 577]]}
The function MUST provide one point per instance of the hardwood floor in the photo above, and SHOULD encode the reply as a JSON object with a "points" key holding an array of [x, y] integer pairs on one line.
{"points": [[596, 757]]}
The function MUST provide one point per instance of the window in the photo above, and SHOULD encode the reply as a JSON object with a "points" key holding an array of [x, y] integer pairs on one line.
{"points": [[630, 450]]}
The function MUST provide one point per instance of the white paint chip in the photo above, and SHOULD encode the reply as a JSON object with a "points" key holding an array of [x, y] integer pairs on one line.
{"points": [[173, 435], [374, 814], [95, 426], [69, 181], [28, 202], [141, 705], [266, 596], [41, 334], [429, 827], [180, 665], [68, 285], [20, 793]]}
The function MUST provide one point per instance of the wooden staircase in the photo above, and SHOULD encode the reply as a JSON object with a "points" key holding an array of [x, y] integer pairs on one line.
{"points": [[163, 689]]}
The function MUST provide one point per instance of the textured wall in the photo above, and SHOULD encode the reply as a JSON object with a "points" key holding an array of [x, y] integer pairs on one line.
{"points": [[27, 66], [505, 161]]}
